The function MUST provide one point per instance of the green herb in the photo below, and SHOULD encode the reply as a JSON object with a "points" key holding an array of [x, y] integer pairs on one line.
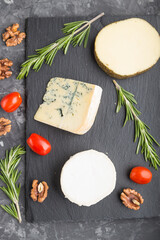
{"points": [[73, 35], [145, 140], [9, 174]]}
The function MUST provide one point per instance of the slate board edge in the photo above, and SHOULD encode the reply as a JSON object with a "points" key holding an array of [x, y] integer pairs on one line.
{"points": [[26, 54]]}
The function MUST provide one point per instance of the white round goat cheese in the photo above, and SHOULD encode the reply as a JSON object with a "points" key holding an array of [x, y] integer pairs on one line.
{"points": [[88, 177]]}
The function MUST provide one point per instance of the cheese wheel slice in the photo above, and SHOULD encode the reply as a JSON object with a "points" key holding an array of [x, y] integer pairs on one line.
{"points": [[69, 105], [88, 177], [127, 48]]}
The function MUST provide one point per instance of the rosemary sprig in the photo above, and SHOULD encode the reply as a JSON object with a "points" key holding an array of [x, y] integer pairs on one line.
{"points": [[76, 33], [9, 174], [145, 140]]}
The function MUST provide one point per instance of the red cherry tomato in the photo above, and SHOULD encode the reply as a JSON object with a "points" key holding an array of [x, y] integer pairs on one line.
{"points": [[39, 144], [11, 102], [140, 175]]}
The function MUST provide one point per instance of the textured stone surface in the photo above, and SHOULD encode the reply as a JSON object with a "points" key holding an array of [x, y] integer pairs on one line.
{"points": [[12, 11]]}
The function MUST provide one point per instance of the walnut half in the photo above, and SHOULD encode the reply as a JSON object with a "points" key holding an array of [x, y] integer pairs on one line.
{"points": [[131, 199], [13, 36], [39, 191], [5, 126], [5, 65]]}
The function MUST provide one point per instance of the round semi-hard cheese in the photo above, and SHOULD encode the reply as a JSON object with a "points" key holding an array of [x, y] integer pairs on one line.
{"points": [[88, 177], [127, 48]]}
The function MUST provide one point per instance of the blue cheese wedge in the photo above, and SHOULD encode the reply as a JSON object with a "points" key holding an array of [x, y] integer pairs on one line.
{"points": [[69, 105]]}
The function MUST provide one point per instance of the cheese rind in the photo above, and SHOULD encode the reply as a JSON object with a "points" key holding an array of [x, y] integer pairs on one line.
{"points": [[127, 48], [69, 105], [88, 177]]}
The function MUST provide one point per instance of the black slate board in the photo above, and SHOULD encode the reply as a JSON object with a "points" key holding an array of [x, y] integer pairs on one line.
{"points": [[106, 135]]}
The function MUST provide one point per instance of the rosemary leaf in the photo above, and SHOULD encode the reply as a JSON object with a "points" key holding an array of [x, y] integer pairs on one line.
{"points": [[10, 210], [72, 26], [86, 37], [75, 33], [79, 38], [9, 175], [141, 134]]}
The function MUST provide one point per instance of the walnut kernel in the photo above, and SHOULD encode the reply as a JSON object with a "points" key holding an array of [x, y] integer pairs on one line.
{"points": [[5, 126], [131, 199], [5, 65], [39, 191], [12, 36]]}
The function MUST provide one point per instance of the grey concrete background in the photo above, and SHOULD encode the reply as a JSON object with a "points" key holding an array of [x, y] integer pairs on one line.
{"points": [[12, 11]]}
